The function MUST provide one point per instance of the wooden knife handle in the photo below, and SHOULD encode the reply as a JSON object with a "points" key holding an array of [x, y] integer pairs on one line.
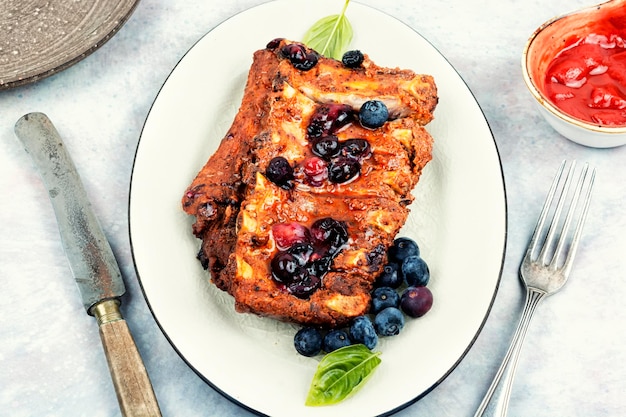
{"points": [[130, 379]]}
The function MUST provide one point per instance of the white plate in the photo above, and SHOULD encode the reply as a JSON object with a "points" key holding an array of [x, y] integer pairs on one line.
{"points": [[459, 219]]}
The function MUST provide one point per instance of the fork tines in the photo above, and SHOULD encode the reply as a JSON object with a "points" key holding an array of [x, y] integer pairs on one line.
{"points": [[558, 200]]}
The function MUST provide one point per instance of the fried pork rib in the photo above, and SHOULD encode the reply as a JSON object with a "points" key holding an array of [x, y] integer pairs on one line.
{"points": [[237, 208]]}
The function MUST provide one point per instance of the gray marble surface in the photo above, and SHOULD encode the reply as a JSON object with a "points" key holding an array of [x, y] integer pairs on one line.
{"points": [[51, 360]]}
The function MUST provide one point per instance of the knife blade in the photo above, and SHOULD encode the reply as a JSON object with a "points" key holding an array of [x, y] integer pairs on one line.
{"points": [[92, 262]]}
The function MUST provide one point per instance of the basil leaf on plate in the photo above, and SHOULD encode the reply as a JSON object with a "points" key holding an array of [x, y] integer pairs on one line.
{"points": [[341, 373], [331, 35]]}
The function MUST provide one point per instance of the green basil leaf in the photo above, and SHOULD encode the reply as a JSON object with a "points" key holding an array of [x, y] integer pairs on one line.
{"points": [[341, 373], [331, 35]]}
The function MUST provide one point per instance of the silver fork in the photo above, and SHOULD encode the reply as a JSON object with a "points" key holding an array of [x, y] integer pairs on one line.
{"points": [[544, 271]]}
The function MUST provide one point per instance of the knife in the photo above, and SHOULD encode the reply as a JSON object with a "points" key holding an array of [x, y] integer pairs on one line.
{"points": [[92, 262]]}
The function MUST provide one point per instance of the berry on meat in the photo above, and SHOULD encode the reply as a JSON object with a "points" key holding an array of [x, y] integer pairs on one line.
{"points": [[301, 58], [285, 267], [352, 59], [289, 233], [315, 170], [373, 114], [343, 169], [358, 149], [326, 147], [330, 232], [280, 172], [328, 119], [304, 286]]}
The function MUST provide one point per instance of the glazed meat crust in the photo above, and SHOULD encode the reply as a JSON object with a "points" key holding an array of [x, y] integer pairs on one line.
{"points": [[235, 205]]}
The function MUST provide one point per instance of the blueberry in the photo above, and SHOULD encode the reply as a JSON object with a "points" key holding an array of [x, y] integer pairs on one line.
{"points": [[293, 51], [309, 62], [280, 172], [384, 297], [342, 169], [330, 232], [308, 341], [356, 148], [339, 115], [362, 331], [301, 252], [299, 57], [274, 43], [416, 301], [373, 114], [415, 271], [326, 147], [389, 322], [390, 277], [304, 285], [336, 339], [328, 119], [402, 248], [285, 267], [352, 59], [319, 267]]}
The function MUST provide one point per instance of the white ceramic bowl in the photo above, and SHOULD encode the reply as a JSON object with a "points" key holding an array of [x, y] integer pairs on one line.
{"points": [[542, 47]]}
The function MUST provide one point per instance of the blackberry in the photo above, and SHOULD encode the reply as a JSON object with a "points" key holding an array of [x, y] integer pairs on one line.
{"points": [[343, 169]]}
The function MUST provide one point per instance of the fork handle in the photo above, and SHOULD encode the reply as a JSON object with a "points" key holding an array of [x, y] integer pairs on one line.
{"points": [[496, 400]]}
